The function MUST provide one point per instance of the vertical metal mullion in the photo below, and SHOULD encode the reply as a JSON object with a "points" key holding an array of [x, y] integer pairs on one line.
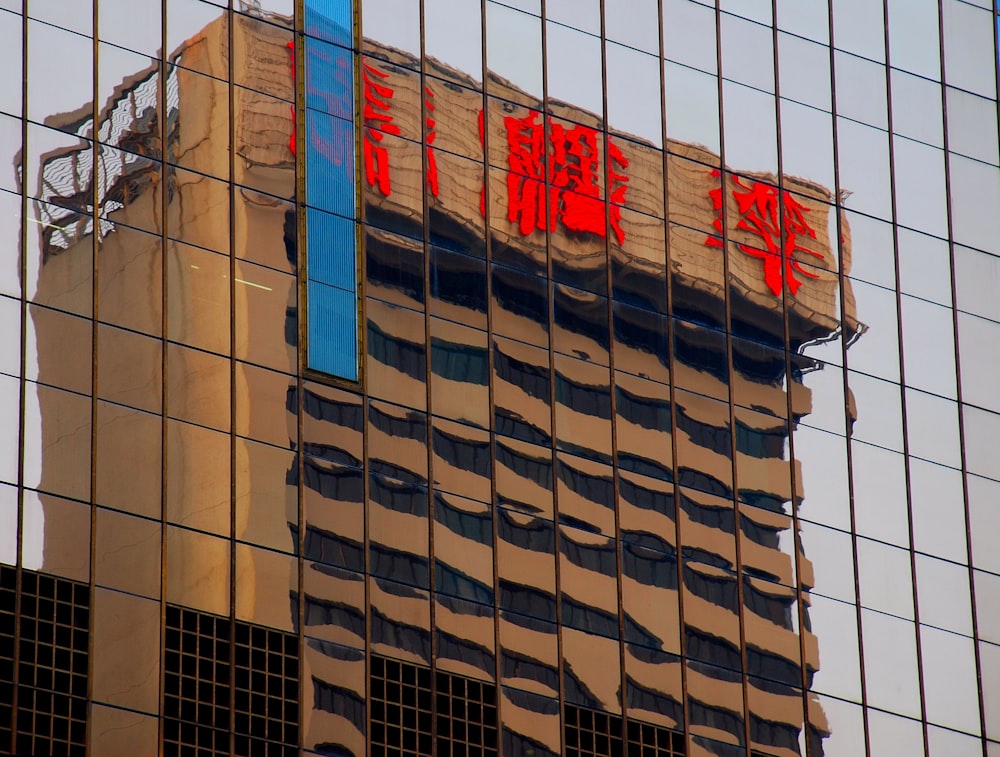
{"points": [[23, 241], [428, 374], [605, 166], [902, 373], [360, 210], [726, 202], [94, 244], [958, 363], [672, 378], [844, 284], [233, 470], [798, 551], [298, 99], [491, 364], [550, 311], [165, 180]]}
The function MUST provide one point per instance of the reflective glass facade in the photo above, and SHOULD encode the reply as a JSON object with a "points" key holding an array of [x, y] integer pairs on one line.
{"points": [[537, 377]]}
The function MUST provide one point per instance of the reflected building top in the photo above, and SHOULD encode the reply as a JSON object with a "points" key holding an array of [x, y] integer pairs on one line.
{"points": [[790, 241]]}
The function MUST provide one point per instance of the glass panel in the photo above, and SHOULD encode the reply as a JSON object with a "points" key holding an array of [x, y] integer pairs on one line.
{"points": [[975, 189], [190, 22], [972, 126], [891, 663], [692, 107], [333, 331], [979, 365], [879, 493], [54, 535], [397, 356], [126, 650], [888, 731], [266, 317], [750, 128], [864, 167], [634, 93], [859, 27], [807, 18], [574, 68], [925, 269], [804, 67], [265, 581], [461, 462], [57, 441], [950, 680], [130, 368], [937, 506], [135, 25], [128, 451], [526, 565], [920, 187], [514, 53], [197, 570], [115, 731], [197, 483], [916, 108], [266, 506], [65, 105], [337, 675], [127, 553], [459, 373], [885, 578], [689, 34], [389, 23], [198, 387], [747, 52], [453, 35], [836, 627], [913, 38], [633, 23], [968, 48]]}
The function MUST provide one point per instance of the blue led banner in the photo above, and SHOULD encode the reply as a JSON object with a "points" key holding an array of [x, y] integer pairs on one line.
{"points": [[331, 213]]}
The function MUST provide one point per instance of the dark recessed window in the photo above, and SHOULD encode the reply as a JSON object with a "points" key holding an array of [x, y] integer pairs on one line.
{"points": [[220, 674], [589, 733], [408, 705], [52, 664]]}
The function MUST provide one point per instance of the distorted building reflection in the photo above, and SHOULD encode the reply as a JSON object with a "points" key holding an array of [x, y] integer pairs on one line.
{"points": [[618, 427]]}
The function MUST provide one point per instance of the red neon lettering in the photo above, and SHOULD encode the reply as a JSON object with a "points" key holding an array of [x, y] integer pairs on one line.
{"points": [[377, 122], [291, 139], [761, 213], [432, 170], [525, 181], [573, 193]]}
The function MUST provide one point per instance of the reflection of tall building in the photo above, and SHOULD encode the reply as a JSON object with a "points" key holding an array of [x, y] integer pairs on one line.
{"points": [[611, 483]]}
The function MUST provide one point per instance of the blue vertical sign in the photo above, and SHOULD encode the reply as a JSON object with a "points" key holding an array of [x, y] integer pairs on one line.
{"points": [[331, 204]]}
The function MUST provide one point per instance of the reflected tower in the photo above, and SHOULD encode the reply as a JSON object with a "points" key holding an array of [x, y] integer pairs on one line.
{"points": [[489, 378]]}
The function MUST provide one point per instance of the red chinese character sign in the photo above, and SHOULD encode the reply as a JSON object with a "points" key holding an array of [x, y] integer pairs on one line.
{"points": [[379, 121], [779, 221], [555, 177]]}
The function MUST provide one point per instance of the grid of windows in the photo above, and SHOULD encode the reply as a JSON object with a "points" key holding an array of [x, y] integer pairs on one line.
{"points": [[402, 712], [599, 734], [8, 641], [217, 673], [52, 659], [457, 716], [466, 717]]}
